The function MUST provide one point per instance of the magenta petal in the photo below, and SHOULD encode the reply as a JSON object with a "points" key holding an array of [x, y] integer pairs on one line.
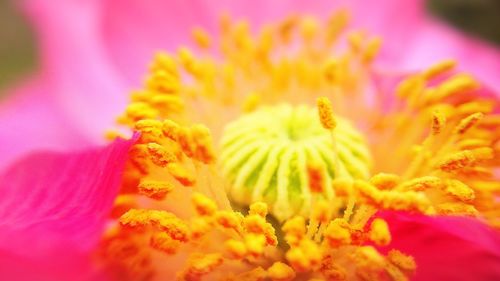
{"points": [[447, 248], [54, 206]]}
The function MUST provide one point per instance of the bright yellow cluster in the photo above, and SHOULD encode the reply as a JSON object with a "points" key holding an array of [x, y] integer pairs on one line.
{"points": [[453, 166], [434, 150]]}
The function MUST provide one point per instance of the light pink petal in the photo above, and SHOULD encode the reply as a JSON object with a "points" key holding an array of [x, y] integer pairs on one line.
{"points": [[74, 64], [447, 248], [435, 41], [54, 206], [31, 119]]}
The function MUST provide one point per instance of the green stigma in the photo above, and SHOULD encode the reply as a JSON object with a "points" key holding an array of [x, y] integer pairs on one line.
{"points": [[265, 156]]}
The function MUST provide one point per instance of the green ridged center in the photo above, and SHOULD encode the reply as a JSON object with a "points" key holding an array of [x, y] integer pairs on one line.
{"points": [[265, 156]]}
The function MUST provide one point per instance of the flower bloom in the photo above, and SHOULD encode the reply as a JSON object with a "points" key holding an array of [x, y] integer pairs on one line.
{"points": [[308, 148]]}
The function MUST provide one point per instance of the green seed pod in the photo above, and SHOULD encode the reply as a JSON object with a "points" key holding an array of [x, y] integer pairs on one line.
{"points": [[265, 156]]}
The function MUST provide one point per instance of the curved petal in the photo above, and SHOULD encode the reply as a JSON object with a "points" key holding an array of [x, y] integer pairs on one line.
{"points": [[54, 207], [447, 248], [30, 119]]}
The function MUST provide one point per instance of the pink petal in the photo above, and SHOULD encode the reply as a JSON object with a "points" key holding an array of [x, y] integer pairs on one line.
{"points": [[54, 206], [76, 69], [447, 248], [435, 41], [31, 119]]}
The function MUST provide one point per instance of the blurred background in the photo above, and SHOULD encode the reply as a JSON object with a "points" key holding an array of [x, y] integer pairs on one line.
{"points": [[18, 57]]}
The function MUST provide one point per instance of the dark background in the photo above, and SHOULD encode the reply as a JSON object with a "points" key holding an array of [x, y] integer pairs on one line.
{"points": [[17, 49]]}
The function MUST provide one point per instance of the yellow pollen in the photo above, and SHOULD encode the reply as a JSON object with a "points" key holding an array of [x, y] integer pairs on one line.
{"points": [[280, 272], [326, 113], [155, 189], [379, 232]]}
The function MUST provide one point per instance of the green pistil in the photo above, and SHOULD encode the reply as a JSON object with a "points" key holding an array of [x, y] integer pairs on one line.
{"points": [[265, 156]]}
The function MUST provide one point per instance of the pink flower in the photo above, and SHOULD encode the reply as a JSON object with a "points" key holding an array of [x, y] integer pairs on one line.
{"points": [[93, 52]]}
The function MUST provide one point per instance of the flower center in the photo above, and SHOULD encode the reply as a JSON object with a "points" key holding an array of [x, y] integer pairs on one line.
{"points": [[283, 156], [432, 145]]}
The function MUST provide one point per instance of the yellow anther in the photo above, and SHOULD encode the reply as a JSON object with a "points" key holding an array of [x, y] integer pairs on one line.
{"points": [[356, 39], [371, 50], [460, 83], [201, 37], [336, 24], [410, 87], [456, 209], [475, 106], [258, 225], [163, 242], [331, 70], [229, 219], [459, 190], [159, 155], [286, 28], [403, 262], [163, 82], [438, 122], [422, 183], [235, 248], [251, 102], [161, 220], [384, 181], [200, 226], [468, 122], [258, 208], [308, 28], [325, 111], [465, 158], [204, 206], [280, 272], [167, 104], [187, 59], [139, 111], [338, 233], [255, 244], [294, 229], [203, 144], [379, 232], [181, 174], [468, 144], [163, 62], [369, 192], [405, 201], [439, 68], [170, 129], [305, 256], [200, 265], [155, 189]]}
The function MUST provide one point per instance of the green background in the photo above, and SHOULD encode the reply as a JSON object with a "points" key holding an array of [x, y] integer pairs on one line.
{"points": [[18, 56]]}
